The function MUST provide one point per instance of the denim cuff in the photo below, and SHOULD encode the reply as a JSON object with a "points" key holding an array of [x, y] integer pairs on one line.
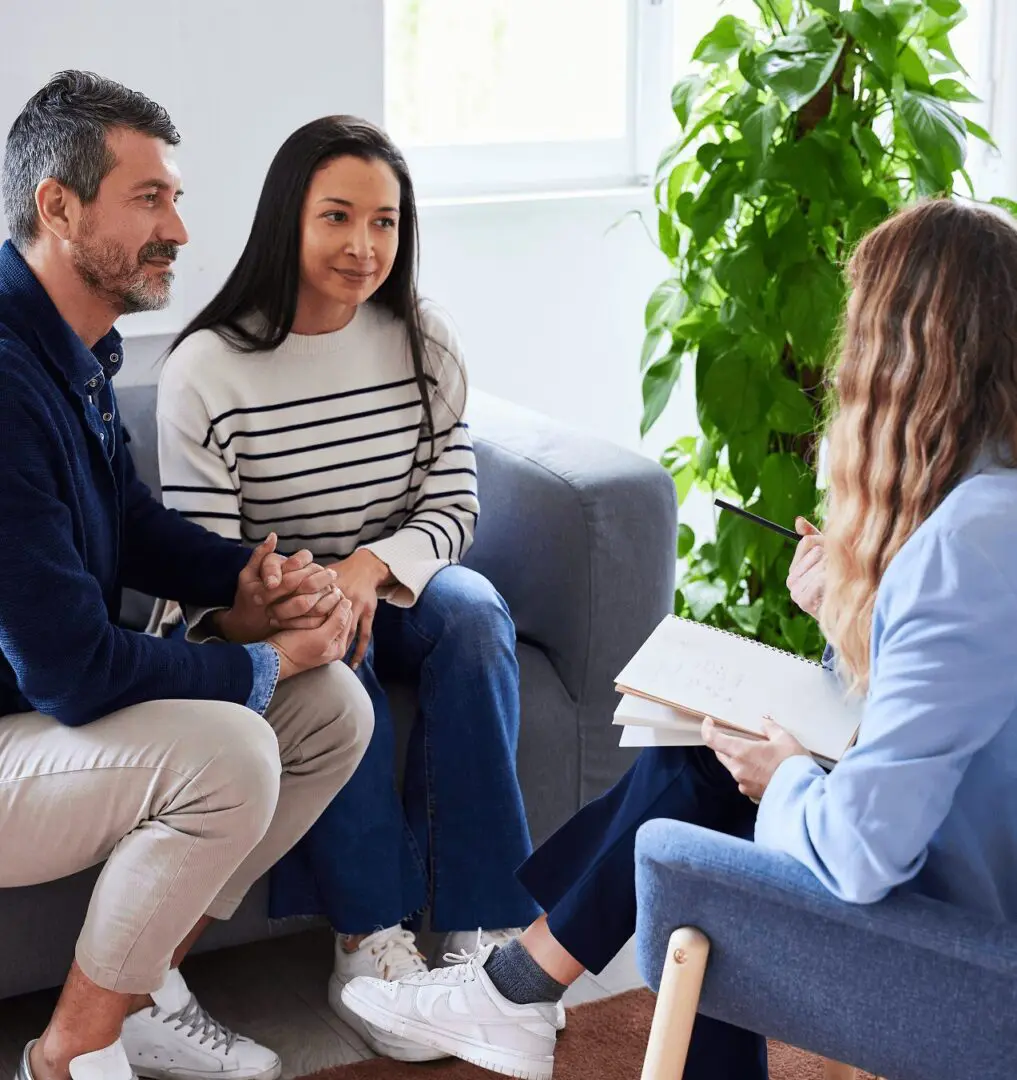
{"points": [[265, 661]]}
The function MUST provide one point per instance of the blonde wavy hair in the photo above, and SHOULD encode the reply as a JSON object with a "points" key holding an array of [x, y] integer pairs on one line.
{"points": [[927, 379]]}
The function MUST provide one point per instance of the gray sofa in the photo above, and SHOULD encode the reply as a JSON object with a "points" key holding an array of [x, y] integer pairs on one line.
{"points": [[577, 535]]}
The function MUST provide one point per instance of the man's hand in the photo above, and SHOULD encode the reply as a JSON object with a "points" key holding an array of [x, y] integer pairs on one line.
{"points": [[807, 577], [303, 650], [752, 762], [275, 593]]}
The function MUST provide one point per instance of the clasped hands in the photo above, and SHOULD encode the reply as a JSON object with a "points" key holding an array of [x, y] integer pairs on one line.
{"points": [[307, 612]]}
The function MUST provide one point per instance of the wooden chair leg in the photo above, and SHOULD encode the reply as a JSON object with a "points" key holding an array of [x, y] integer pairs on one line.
{"points": [[836, 1070], [677, 1003]]}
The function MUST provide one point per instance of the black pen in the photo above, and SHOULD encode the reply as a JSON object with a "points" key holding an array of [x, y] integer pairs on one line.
{"points": [[788, 533]]}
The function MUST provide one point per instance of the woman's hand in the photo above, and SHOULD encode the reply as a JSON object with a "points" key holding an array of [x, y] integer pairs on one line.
{"points": [[807, 577], [360, 576], [752, 762]]}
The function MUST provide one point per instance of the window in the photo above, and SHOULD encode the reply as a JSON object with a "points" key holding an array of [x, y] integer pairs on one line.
{"points": [[489, 95]]}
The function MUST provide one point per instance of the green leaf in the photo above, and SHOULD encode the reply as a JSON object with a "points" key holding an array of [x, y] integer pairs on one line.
{"points": [[913, 68], [746, 454], [666, 305], [747, 617], [868, 143], [787, 488], [685, 95], [667, 235], [658, 382], [952, 90], [812, 295], [980, 133], [651, 343], [715, 202], [946, 8], [937, 132], [831, 7], [798, 65], [683, 481], [791, 412], [899, 11], [733, 537], [703, 596], [759, 127], [866, 216], [686, 540], [1005, 204], [734, 397], [795, 632], [742, 273], [878, 34], [722, 42]]}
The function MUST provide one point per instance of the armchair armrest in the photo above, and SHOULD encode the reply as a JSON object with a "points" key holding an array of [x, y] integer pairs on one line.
{"points": [[910, 987], [579, 536]]}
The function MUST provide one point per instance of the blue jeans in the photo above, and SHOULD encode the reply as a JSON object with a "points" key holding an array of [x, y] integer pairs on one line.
{"points": [[453, 838], [584, 878]]}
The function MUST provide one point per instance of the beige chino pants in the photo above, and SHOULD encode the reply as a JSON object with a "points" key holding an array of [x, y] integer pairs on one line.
{"points": [[189, 803]]}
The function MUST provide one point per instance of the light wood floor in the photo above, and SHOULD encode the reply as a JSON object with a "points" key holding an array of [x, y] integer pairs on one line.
{"points": [[276, 992]]}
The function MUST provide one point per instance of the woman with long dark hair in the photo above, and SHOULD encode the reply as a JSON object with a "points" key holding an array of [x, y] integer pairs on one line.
{"points": [[317, 398], [918, 602]]}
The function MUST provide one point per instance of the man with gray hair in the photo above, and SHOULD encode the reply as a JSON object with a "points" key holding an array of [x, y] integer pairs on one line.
{"points": [[188, 765]]}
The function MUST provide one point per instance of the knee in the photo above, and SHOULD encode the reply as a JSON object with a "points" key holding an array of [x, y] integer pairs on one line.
{"points": [[471, 608], [240, 766], [338, 719]]}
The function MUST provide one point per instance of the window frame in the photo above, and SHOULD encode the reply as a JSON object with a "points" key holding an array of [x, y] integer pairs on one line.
{"points": [[519, 167]]}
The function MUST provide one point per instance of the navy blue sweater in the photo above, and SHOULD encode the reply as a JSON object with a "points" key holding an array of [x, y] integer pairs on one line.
{"points": [[79, 526]]}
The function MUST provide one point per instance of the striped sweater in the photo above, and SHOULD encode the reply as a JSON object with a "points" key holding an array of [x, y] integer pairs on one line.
{"points": [[323, 441]]}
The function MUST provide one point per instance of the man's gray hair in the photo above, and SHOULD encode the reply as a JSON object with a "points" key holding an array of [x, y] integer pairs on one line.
{"points": [[61, 133]]}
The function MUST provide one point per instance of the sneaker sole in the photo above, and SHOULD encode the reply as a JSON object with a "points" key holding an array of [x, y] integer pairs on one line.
{"points": [[520, 1066], [413, 1053], [184, 1074]]}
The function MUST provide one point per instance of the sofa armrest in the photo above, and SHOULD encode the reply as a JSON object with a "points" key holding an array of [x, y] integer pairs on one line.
{"points": [[578, 535], [908, 987]]}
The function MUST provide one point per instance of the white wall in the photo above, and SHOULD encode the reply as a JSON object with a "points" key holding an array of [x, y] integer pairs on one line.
{"points": [[547, 295]]}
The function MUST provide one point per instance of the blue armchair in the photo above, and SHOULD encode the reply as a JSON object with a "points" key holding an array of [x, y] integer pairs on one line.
{"points": [[909, 988]]}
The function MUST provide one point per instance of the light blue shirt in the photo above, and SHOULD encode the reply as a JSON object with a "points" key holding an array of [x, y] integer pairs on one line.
{"points": [[928, 795]]}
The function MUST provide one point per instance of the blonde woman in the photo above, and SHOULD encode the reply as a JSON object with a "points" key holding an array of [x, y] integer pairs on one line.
{"points": [[920, 580]]}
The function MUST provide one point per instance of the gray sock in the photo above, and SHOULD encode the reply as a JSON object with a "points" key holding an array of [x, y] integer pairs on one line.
{"points": [[518, 977]]}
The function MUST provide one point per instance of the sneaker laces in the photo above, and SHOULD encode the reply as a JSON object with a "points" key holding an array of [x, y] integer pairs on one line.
{"points": [[462, 966], [198, 1022], [395, 953]]}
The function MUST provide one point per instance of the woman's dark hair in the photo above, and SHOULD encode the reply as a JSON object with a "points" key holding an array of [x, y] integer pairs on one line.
{"points": [[266, 280]]}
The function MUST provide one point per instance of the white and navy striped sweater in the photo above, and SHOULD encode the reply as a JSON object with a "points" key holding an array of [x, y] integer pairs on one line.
{"points": [[323, 442]]}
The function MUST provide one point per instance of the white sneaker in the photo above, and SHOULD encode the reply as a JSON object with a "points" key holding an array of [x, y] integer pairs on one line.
{"points": [[109, 1063], [463, 942], [458, 1010], [385, 955], [178, 1040]]}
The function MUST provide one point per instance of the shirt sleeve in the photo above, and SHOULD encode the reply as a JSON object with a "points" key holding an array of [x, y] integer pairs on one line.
{"points": [[265, 661], [942, 685], [439, 529], [196, 480]]}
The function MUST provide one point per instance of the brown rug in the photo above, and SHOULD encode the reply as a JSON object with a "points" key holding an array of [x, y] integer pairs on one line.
{"points": [[605, 1040]]}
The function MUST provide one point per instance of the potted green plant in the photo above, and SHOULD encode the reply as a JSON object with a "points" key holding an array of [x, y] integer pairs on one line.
{"points": [[800, 130]]}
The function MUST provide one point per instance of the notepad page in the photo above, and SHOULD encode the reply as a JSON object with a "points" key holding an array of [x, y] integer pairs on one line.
{"points": [[646, 713], [738, 681], [633, 735]]}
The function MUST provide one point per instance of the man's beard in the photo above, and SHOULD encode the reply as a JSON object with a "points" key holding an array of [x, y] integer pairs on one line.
{"points": [[111, 273]]}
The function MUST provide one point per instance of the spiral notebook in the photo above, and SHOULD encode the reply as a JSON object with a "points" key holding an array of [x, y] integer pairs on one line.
{"points": [[701, 671]]}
